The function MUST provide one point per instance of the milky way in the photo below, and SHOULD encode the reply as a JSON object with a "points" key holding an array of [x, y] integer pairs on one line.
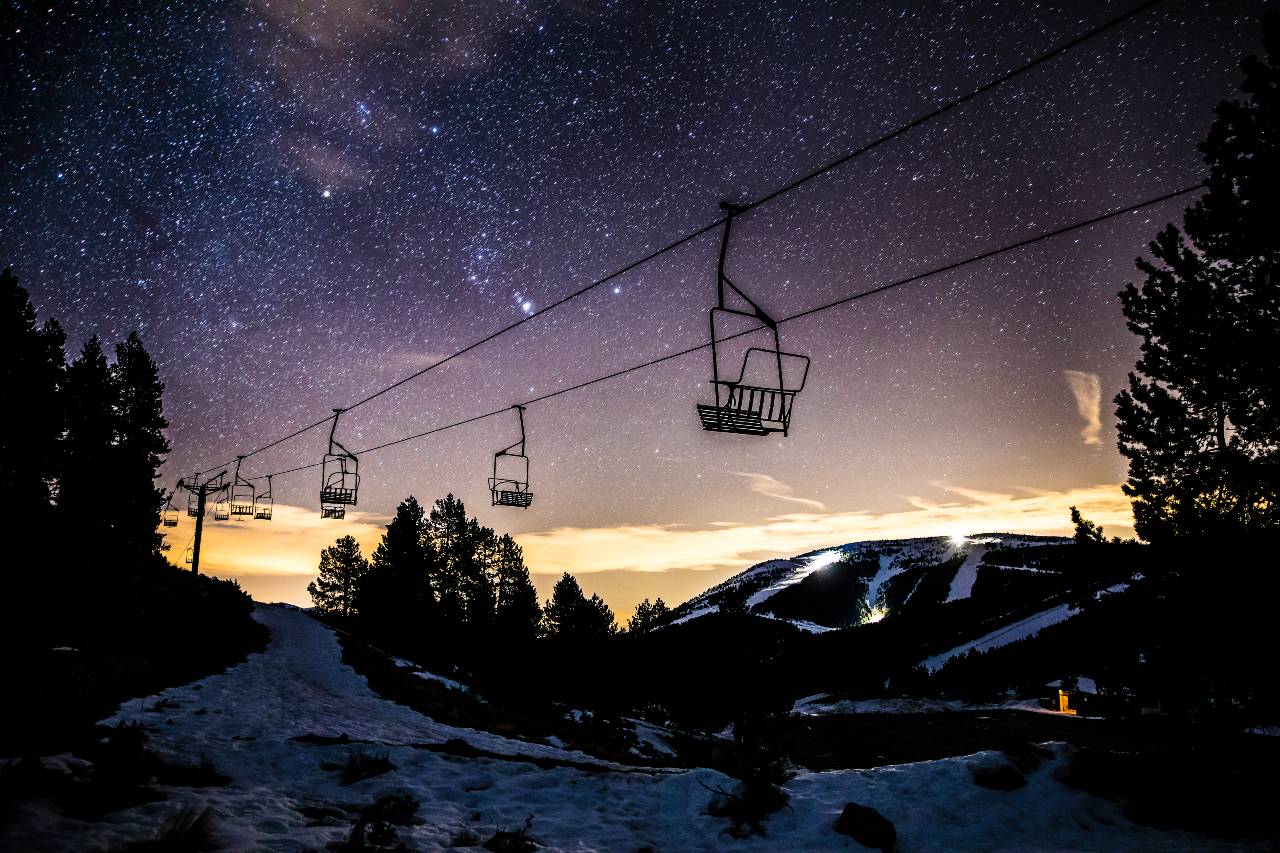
{"points": [[297, 203]]}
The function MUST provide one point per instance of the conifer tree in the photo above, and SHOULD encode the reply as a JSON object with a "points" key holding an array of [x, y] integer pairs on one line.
{"points": [[31, 371], [140, 445], [517, 614], [89, 459], [395, 596], [570, 615], [1200, 420], [647, 616], [342, 567]]}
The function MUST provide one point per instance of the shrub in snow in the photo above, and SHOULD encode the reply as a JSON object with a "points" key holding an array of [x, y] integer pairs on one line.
{"points": [[189, 831], [867, 826], [513, 840]]}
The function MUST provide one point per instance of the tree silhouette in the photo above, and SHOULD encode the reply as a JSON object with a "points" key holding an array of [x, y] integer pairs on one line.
{"points": [[1200, 420], [395, 595], [31, 371], [140, 445], [89, 459], [570, 615], [517, 614], [341, 569], [648, 616]]}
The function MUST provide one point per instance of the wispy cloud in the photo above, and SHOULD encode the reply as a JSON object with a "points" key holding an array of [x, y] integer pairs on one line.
{"points": [[771, 487], [727, 547], [1087, 389]]}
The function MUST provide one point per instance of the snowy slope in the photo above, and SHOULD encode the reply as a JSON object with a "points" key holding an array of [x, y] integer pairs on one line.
{"points": [[759, 584], [244, 721], [1013, 632]]}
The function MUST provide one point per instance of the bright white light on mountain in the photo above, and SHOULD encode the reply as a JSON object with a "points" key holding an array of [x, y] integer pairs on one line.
{"points": [[875, 614], [820, 561], [958, 540]]}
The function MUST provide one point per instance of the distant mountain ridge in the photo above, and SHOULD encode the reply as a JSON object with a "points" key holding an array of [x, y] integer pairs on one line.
{"points": [[864, 582]]}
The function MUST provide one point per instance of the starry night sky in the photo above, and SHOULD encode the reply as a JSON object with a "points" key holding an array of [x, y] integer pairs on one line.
{"points": [[297, 203]]}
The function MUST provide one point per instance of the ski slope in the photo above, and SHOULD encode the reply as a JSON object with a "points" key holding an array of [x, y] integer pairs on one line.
{"points": [[244, 720]]}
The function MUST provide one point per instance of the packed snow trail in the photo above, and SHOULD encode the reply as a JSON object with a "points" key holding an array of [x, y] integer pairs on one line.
{"points": [[967, 574], [244, 720]]}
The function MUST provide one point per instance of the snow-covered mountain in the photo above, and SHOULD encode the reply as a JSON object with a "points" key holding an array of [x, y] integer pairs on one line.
{"points": [[865, 582]]}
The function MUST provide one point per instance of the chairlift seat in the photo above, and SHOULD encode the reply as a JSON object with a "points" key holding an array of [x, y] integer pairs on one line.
{"points": [[506, 497], [171, 519], [221, 514], [242, 509], [333, 512], [338, 495], [262, 513]]}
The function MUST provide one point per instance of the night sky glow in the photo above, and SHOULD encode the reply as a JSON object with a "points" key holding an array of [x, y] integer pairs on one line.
{"points": [[298, 203]]}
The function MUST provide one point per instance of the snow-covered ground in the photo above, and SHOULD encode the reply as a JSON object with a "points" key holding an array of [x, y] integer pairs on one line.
{"points": [[245, 719]]}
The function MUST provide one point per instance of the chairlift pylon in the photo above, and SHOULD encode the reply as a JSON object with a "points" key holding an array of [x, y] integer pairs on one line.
{"points": [[339, 476], [754, 403], [510, 486], [243, 496], [265, 504]]}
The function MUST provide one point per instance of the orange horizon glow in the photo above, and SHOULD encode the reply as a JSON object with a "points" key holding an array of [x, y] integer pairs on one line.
{"points": [[274, 561]]}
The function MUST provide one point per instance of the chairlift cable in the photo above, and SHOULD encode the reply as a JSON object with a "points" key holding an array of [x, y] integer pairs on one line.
{"points": [[760, 202], [912, 279]]}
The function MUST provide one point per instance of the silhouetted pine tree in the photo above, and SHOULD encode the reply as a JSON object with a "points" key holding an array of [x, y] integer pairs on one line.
{"points": [[86, 496], [517, 614], [395, 597], [570, 615], [446, 530], [466, 589], [140, 445], [342, 567], [31, 371], [648, 616], [1200, 421]]}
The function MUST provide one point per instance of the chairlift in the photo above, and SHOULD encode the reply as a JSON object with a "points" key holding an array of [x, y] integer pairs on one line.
{"points": [[759, 401], [265, 504], [510, 485], [339, 476], [243, 496], [169, 515], [193, 498], [189, 555], [222, 506]]}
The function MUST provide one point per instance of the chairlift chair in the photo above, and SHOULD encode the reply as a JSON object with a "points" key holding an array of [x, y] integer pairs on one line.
{"points": [[193, 499], [509, 485], [189, 555], [222, 507], [243, 496], [169, 515], [265, 504], [760, 400], [339, 476]]}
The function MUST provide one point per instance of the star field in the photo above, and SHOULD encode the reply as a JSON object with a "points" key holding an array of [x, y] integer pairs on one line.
{"points": [[298, 203]]}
